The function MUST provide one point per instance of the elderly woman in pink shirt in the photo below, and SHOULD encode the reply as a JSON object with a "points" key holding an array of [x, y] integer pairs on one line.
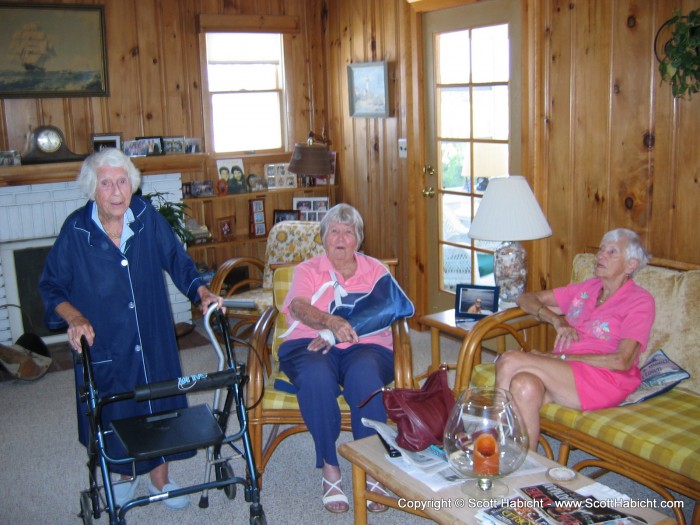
{"points": [[322, 352], [602, 325]]}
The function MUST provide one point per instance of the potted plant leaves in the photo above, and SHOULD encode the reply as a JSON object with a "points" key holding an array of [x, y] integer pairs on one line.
{"points": [[677, 48], [174, 213]]}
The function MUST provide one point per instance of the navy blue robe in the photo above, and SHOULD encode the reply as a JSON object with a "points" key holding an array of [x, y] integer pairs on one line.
{"points": [[125, 298]]}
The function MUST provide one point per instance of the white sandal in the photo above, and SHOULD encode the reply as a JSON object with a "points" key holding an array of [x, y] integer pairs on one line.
{"points": [[335, 498], [377, 488]]}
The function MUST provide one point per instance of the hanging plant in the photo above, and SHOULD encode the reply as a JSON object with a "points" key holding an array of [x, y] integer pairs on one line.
{"points": [[677, 48]]}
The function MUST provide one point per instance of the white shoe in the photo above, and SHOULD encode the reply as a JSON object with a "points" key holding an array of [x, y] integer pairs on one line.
{"points": [[124, 491], [178, 503]]}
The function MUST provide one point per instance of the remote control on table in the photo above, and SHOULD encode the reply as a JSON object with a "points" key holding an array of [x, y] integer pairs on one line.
{"points": [[393, 453]]}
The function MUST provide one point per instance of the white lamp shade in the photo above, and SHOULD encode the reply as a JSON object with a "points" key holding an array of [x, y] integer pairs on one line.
{"points": [[509, 212]]}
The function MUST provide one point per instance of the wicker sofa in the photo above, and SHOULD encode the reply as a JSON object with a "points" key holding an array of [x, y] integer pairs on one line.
{"points": [[655, 442]]}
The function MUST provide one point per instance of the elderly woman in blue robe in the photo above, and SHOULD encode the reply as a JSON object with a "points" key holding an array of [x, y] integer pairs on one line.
{"points": [[103, 279]]}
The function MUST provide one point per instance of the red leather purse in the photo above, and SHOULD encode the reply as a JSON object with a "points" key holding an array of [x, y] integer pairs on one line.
{"points": [[420, 415]]}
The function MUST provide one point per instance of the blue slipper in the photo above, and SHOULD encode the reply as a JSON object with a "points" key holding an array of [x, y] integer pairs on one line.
{"points": [[124, 491]]}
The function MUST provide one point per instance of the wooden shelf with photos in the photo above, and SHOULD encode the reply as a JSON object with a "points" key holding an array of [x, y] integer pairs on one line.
{"points": [[229, 218]]}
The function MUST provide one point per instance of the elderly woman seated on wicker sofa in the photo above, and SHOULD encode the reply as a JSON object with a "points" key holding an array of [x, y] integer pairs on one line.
{"points": [[602, 325]]}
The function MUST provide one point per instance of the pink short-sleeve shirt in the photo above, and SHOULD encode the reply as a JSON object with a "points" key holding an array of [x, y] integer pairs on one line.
{"points": [[628, 314], [313, 273]]}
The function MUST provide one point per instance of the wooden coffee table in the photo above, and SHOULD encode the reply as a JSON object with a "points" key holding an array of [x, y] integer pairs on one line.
{"points": [[448, 506]]}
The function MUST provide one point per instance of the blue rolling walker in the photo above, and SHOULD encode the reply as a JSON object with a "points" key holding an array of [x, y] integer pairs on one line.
{"points": [[174, 432]]}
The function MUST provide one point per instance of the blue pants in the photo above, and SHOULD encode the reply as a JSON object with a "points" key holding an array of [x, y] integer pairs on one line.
{"points": [[360, 369]]}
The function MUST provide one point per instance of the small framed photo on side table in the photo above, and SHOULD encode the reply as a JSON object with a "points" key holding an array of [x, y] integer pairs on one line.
{"points": [[472, 301]]}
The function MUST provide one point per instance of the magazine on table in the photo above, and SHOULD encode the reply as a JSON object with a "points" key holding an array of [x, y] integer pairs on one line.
{"points": [[513, 511], [563, 506]]}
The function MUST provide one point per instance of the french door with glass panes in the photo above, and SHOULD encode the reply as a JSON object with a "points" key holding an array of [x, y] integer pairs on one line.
{"points": [[472, 61]]}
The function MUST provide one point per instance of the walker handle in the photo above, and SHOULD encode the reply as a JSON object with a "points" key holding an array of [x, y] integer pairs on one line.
{"points": [[185, 385]]}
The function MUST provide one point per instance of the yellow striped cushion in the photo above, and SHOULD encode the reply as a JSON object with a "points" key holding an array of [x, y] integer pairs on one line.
{"points": [[662, 430], [281, 282]]}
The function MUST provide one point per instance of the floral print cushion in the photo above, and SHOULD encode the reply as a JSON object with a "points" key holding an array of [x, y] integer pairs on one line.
{"points": [[291, 242]]}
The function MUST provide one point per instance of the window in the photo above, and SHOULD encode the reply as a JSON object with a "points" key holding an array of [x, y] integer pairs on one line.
{"points": [[473, 130], [245, 91]]}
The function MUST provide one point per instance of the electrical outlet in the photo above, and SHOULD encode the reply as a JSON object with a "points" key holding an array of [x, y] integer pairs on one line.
{"points": [[403, 149]]}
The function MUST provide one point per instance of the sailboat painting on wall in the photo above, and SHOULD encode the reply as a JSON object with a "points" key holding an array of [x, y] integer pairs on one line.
{"points": [[52, 51]]}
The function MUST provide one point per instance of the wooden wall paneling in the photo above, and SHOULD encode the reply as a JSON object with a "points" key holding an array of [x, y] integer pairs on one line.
{"points": [[78, 124], [150, 37], [664, 167], [345, 35], [382, 203], [556, 140], [535, 60], [409, 270], [630, 153], [123, 48], [177, 117], [315, 21], [192, 71], [591, 121], [686, 246], [21, 115], [415, 247]]}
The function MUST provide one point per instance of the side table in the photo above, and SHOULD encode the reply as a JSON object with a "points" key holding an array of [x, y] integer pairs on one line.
{"points": [[445, 323]]}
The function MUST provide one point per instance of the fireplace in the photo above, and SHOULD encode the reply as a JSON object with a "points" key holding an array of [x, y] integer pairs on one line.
{"points": [[25, 260]]}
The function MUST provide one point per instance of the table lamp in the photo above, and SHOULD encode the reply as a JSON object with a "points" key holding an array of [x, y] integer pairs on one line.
{"points": [[311, 159], [509, 213]]}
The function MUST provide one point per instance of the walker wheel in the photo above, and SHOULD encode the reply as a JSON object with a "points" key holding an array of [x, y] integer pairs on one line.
{"points": [[224, 471], [85, 508], [258, 520]]}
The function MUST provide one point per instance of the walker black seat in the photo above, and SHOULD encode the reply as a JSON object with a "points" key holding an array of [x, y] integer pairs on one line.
{"points": [[173, 432]]}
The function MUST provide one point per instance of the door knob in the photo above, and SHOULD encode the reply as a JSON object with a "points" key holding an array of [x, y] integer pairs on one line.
{"points": [[429, 192]]}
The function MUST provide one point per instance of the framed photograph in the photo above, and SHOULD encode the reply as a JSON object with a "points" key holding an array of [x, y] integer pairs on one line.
{"points": [[135, 148], [173, 145], [154, 145], [310, 208], [233, 172], [52, 51], [101, 141], [10, 158], [285, 215], [193, 145], [186, 190], [256, 183], [474, 301], [368, 88], [202, 188], [257, 218], [225, 227]]}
